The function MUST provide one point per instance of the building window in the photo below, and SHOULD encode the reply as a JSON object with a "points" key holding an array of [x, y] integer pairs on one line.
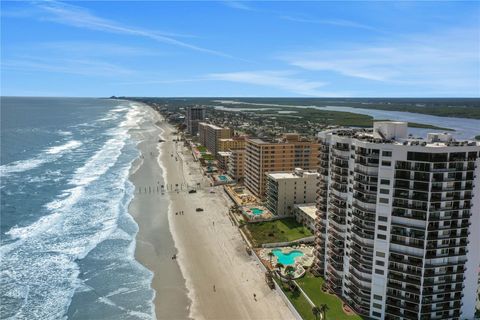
{"points": [[384, 191], [385, 182], [382, 255], [386, 153], [377, 305], [378, 271], [379, 263], [381, 236], [376, 314], [386, 163], [383, 228], [377, 297], [383, 200], [382, 218]]}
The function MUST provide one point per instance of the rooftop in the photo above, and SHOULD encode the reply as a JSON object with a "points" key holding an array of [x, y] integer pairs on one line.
{"points": [[297, 174], [309, 208], [224, 153], [395, 132]]}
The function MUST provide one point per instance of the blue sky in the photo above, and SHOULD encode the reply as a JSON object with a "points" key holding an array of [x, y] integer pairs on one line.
{"points": [[273, 49]]}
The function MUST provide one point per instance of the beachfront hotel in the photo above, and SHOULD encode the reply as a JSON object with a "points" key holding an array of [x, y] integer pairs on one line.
{"points": [[193, 117], [398, 221], [285, 189], [210, 134], [286, 154]]}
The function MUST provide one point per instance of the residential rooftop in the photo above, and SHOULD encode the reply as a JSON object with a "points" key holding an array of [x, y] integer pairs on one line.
{"points": [[395, 132], [297, 173], [309, 208]]}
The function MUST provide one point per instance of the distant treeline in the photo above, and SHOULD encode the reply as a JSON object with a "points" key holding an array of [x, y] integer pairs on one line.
{"points": [[443, 107]]}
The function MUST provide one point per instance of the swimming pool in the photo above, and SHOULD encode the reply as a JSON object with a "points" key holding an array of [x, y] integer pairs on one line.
{"points": [[256, 211], [287, 258], [223, 178]]}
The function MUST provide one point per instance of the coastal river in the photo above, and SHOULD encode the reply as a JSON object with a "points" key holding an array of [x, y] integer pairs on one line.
{"points": [[464, 128]]}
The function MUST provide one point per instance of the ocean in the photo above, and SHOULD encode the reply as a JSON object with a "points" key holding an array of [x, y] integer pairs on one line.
{"points": [[68, 240]]}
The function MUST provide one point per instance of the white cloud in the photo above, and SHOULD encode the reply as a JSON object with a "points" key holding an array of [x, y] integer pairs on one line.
{"points": [[332, 22], [68, 66], [241, 5], [275, 79], [447, 60], [81, 18], [92, 48]]}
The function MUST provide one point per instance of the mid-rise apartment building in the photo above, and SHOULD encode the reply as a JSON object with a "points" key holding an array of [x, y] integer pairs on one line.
{"points": [[237, 142], [286, 154], [236, 164], [398, 222], [193, 117], [285, 189], [209, 136]]}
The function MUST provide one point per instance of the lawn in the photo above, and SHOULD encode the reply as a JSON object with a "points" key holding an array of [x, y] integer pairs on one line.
{"points": [[299, 301], [277, 231], [312, 285], [202, 149]]}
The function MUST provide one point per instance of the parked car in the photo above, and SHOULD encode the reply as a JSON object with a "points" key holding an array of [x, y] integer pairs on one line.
{"points": [[192, 191], [199, 209]]}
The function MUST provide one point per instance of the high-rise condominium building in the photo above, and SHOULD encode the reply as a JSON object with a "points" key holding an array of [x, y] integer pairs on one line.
{"points": [[209, 136], [193, 117], [398, 222], [285, 189], [286, 154]]}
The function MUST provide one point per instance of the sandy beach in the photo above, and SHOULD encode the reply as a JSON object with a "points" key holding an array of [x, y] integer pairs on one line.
{"points": [[212, 276]]}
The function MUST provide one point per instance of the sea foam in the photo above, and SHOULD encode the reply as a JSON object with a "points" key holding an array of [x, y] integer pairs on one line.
{"points": [[39, 266], [48, 155]]}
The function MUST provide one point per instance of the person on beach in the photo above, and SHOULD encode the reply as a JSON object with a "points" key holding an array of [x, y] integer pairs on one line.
{"points": [[254, 297], [214, 290]]}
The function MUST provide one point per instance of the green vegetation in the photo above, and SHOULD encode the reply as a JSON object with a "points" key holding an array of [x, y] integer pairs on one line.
{"points": [[202, 149], [312, 286], [207, 157], [443, 107], [327, 118], [299, 301], [277, 231]]}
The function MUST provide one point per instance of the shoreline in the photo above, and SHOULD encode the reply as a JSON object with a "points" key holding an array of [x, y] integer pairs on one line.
{"points": [[154, 243], [212, 276]]}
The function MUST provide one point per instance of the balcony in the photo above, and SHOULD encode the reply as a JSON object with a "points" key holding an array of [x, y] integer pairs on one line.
{"points": [[401, 286], [404, 277], [430, 291], [364, 197], [443, 280]]}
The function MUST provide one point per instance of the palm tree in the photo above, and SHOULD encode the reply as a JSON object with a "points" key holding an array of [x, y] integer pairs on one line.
{"points": [[289, 270], [316, 311], [323, 310], [270, 255], [279, 267]]}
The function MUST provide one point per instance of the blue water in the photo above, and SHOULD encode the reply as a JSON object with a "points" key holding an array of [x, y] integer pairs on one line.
{"points": [[257, 211], [287, 258], [67, 239]]}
